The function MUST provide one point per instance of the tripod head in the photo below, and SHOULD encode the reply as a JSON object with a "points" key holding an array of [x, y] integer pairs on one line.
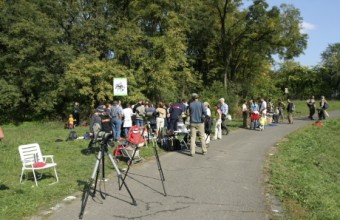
{"points": [[105, 139]]}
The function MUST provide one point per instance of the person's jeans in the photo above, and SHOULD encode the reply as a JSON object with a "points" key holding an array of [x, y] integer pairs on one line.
{"points": [[140, 123], [173, 124], [117, 128]]}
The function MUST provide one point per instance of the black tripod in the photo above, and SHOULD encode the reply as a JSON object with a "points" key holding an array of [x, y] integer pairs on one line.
{"points": [[96, 170], [161, 174]]}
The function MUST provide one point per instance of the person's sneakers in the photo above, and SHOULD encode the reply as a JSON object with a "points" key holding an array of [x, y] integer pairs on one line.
{"points": [[204, 153], [192, 155]]}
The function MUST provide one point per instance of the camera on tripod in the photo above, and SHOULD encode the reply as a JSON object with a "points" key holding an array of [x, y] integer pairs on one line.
{"points": [[104, 139]]}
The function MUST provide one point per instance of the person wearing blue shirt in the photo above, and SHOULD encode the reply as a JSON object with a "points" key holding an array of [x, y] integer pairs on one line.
{"points": [[175, 114], [254, 107], [197, 110]]}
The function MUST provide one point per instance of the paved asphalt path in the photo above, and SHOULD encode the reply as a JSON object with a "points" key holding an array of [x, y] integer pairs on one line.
{"points": [[225, 184]]}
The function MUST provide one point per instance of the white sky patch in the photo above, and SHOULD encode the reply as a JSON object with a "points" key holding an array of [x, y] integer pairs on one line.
{"points": [[305, 27]]}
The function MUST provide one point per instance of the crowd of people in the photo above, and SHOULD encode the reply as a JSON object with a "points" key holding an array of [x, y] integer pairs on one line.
{"points": [[276, 111], [195, 115]]}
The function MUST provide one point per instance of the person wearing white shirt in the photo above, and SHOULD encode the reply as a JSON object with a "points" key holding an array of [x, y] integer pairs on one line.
{"points": [[127, 114], [244, 113], [263, 108]]}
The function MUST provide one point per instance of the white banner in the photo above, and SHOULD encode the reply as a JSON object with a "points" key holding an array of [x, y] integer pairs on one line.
{"points": [[120, 87]]}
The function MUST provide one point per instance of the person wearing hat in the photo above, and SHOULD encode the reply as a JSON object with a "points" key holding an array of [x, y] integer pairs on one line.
{"points": [[95, 126], [197, 113]]}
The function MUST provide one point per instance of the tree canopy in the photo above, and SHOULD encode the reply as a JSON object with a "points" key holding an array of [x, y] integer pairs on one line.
{"points": [[56, 52]]}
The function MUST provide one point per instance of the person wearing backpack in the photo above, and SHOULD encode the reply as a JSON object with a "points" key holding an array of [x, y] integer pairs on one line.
{"points": [[311, 107], [322, 113], [290, 110]]}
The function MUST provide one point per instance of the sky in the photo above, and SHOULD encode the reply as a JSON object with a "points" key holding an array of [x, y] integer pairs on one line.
{"points": [[321, 19]]}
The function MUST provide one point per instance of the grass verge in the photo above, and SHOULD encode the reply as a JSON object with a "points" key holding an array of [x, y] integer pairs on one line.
{"points": [[305, 172], [74, 168]]}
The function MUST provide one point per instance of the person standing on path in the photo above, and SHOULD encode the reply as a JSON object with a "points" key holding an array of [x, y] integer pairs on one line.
{"points": [[281, 105], [116, 117], [218, 129], [322, 110], [290, 110], [311, 107], [160, 117], [127, 121], [263, 108], [224, 109], [207, 123], [244, 113], [197, 112]]}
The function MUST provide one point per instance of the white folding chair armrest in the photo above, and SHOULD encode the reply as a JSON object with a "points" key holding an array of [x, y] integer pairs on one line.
{"points": [[45, 157]]}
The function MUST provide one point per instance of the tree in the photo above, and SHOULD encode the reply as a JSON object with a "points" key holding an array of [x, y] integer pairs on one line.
{"points": [[331, 64], [31, 58], [301, 81]]}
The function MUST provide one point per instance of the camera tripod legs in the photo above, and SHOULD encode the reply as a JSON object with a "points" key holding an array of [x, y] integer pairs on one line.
{"points": [[94, 179], [161, 174], [158, 165]]}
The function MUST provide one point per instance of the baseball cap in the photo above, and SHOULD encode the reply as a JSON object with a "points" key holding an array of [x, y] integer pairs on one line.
{"points": [[100, 109], [194, 95]]}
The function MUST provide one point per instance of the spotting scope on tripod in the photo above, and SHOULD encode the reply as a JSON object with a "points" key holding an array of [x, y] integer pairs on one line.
{"points": [[104, 140]]}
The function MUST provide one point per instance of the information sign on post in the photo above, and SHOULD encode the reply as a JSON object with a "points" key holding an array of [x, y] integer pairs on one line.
{"points": [[120, 87]]}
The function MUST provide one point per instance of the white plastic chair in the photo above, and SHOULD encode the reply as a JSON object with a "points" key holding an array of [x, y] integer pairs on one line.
{"points": [[33, 160]]}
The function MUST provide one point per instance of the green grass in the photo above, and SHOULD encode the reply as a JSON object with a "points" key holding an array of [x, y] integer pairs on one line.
{"points": [[74, 168], [305, 172]]}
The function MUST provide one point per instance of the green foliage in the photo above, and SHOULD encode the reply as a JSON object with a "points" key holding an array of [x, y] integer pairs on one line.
{"points": [[305, 170], [57, 52]]}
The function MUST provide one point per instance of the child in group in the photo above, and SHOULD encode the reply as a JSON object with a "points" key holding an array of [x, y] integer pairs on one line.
{"points": [[262, 122], [276, 115], [70, 122]]}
